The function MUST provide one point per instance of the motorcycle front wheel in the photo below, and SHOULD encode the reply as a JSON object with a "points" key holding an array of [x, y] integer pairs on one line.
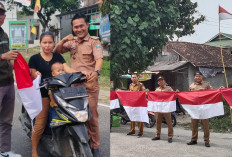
{"points": [[80, 149], [173, 120], [152, 121], [123, 121]]}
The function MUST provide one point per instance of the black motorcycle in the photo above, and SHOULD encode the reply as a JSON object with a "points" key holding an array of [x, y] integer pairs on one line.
{"points": [[152, 119], [67, 134]]}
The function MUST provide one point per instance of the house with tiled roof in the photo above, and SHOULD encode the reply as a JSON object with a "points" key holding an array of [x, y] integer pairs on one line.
{"points": [[180, 60], [226, 41]]}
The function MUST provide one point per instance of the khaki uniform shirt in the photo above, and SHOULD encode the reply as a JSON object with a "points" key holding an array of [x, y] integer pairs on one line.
{"points": [[137, 87], [84, 53], [199, 86], [6, 75], [166, 88]]}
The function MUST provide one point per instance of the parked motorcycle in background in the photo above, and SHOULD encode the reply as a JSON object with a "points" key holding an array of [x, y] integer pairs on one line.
{"points": [[152, 120]]}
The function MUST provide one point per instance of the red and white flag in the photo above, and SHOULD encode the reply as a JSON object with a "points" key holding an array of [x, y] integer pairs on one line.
{"points": [[135, 104], [223, 14], [164, 101], [227, 95], [202, 104], [29, 91], [114, 102], [24, 2]]}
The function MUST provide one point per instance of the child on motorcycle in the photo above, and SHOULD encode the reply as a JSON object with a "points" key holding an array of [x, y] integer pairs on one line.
{"points": [[57, 68]]}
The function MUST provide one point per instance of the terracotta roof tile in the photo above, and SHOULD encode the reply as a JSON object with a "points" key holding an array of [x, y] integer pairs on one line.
{"points": [[200, 54]]}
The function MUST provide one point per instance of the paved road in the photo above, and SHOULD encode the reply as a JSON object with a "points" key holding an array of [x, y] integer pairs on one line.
{"points": [[22, 144], [131, 146]]}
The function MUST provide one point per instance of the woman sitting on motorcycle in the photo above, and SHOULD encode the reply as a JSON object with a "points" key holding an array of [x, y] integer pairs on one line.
{"points": [[40, 64]]}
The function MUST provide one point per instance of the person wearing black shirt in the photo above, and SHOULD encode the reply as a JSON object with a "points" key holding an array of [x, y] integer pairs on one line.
{"points": [[40, 64]]}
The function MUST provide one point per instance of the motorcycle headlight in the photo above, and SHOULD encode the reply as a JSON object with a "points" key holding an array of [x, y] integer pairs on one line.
{"points": [[81, 116]]}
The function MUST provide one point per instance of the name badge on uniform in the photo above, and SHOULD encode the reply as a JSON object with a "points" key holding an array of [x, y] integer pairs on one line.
{"points": [[98, 46]]}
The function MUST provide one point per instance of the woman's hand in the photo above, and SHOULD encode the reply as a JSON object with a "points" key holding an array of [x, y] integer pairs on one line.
{"points": [[37, 73]]}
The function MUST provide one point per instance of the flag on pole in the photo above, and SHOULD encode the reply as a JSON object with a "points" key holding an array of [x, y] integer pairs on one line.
{"points": [[37, 6], [223, 14], [202, 104], [24, 2], [28, 90], [164, 101], [114, 102], [135, 105], [227, 95], [33, 28]]}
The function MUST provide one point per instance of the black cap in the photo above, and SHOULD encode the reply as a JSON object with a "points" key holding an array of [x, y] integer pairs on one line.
{"points": [[198, 73], [160, 78], [2, 7]]}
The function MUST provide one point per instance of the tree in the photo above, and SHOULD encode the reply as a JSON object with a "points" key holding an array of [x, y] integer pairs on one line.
{"points": [[105, 7], [48, 8], [140, 29]]}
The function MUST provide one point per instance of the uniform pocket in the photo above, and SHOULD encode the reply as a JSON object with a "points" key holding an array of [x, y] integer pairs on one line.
{"points": [[87, 55]]}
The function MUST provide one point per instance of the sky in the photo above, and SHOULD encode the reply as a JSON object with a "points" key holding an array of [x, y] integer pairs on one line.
{"points": [[210, 27]]}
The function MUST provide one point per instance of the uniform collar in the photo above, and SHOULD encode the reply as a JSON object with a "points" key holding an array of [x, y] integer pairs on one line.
{"points": [[162, 88], [135, 83], [86, 38], [198, 83]]}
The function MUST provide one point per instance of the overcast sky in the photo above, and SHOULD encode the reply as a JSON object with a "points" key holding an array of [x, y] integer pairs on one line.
{"points": [[210, 27]]}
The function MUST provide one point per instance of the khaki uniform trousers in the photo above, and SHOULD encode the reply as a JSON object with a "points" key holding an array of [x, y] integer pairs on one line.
{"points": [[140, 126], [205, 124], [92, 124], [159, 117]]}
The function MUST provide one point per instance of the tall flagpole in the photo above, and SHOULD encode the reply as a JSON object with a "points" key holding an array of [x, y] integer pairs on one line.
{"points": [[222, 56], [224, 66]]}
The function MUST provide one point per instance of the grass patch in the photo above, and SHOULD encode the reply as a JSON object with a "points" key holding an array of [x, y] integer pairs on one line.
{"points": [[222, 123], [104, 80]]}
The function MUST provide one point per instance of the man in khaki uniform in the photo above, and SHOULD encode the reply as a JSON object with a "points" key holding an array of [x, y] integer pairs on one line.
{"points": [[136, 86], [86, 56], [199, 84], [159, 116]]}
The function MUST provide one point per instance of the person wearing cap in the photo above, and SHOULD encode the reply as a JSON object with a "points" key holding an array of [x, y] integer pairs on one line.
{"points": [[7, 92], [86, 56], [199, 84], [136, 86], [159, 116]]}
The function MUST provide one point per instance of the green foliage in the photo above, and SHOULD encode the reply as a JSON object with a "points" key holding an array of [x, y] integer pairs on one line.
{"points": [[222, 123], [105, 7], [48, 8], [140, 29]]}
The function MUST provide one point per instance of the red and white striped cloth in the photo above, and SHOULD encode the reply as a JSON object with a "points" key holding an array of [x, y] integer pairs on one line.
{"points": [[227, 95], [223, 14], [29, 91], [164, 101], [114, 102], [135, 105], [202, 104]]}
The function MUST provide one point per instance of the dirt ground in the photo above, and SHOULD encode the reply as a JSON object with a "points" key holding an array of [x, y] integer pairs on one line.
{"points": [[104, 95]]}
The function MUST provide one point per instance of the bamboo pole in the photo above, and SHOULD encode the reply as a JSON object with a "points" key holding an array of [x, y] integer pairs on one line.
{"points": [[224, 67]]}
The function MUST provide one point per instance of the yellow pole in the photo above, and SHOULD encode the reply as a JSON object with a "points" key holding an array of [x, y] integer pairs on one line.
{"points": [[224, 68]]}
